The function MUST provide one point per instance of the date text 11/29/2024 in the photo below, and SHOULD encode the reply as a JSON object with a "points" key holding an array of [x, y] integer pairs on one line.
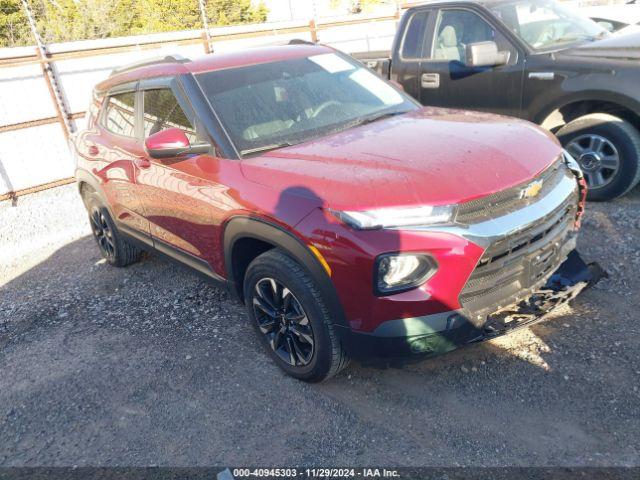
{"points": [[308, 473]]}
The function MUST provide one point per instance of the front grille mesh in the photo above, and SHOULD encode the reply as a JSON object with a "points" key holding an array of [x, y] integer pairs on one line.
{"points": [[519, 262], [510, 200]]}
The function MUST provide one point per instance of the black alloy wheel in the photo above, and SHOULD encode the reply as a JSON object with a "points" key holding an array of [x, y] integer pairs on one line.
{"points": [[283, 321], [102, 233]]}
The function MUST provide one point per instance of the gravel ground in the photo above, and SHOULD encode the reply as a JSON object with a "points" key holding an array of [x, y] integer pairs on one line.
{"points": [[150, 365]]}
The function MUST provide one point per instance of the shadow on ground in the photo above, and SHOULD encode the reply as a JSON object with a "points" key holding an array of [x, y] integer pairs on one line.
{"points": [[152, 365]]}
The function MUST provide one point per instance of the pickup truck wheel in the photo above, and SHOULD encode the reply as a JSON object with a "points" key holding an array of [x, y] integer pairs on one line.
{"points": [[115, 249], [608, 151], [292, 318]]}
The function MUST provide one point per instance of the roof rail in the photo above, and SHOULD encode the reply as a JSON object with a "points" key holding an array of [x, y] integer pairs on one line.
{"points": [[299, 41], [151, 61]]}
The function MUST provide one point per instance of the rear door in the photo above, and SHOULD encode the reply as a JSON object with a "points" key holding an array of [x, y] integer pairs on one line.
{"points": [[446, 81], [405, 64], [116, 147]]}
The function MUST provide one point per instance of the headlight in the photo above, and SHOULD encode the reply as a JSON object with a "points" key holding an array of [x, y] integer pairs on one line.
{"points": [[399, 272], [397, 217], [573, 165]]}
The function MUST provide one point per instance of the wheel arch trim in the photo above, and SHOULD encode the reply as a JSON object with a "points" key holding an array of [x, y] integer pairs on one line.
{"points": [[544, 113], [242, 227]]}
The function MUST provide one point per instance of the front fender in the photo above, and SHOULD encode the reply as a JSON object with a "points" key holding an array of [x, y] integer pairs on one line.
{"points": [[264, 230]]}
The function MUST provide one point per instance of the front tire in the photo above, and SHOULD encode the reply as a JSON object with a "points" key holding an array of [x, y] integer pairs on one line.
{"points": [[608, 151], [291, 318]]}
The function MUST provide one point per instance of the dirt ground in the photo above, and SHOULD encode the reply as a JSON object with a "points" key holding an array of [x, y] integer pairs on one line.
{"points": [[150, 365]]}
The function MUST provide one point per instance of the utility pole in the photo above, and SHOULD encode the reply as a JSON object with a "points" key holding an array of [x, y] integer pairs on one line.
{"points": [[50, 76]]}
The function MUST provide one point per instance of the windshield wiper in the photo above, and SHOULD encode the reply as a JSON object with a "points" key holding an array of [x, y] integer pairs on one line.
{"points": [[265, 148], [375, 118]]}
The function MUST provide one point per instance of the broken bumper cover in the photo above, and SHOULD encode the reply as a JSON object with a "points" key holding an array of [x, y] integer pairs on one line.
{"points": [[440, 333]]}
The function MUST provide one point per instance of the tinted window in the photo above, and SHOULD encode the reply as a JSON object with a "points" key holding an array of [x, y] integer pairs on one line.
{"points": [[120, 114], [162, 111], [413, 40]]}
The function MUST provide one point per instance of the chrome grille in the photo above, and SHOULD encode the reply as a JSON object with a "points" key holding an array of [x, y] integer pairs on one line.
{"points": [[513, 266], [510, 200]]}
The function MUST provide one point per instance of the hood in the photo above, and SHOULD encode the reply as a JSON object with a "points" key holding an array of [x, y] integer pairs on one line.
{"points": [[426, 157], [624, 47]]}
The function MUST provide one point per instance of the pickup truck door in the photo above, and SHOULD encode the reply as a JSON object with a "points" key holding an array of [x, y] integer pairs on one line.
{"points": [[446, 81]]}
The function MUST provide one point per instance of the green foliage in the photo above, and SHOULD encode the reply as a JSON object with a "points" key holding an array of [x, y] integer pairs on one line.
{"points": [[13, 24], [229, 12], [67, 20]]}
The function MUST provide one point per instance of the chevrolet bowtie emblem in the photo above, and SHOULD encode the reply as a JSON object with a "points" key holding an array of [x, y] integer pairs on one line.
{"points": [[532, 190]]}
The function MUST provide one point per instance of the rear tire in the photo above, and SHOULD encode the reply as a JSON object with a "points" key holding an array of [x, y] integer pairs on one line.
{"points": [[113, 247], [608, 151], [291, 318]]}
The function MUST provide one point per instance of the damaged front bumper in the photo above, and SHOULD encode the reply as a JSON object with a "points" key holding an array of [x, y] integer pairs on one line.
{"points": [[436, 334]]}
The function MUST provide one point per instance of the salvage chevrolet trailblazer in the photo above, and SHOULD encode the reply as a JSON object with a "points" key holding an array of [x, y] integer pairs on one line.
{"points": [[348, 219]]}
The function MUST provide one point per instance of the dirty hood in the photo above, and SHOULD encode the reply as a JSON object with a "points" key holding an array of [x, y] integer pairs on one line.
{"points": [[426, 157]]}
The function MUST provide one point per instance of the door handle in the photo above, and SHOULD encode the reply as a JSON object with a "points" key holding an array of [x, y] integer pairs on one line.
{"points": [[93, 150], [542, 75], [142, 162], [430, 80]]}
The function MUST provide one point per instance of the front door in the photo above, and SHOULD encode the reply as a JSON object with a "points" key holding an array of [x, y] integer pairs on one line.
{"points": [[446, 81], [184, 197]]}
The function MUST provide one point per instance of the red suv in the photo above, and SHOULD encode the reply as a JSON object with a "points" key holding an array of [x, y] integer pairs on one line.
{"points": [[348, 219]]}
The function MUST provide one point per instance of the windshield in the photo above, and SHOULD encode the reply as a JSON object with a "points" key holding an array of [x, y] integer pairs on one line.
{"points": [[545, 24], [270, 105]]}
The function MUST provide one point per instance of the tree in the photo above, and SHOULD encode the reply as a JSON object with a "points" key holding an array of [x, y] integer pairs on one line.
{"points": [[14, 29], [230, 12], [67, 20]]}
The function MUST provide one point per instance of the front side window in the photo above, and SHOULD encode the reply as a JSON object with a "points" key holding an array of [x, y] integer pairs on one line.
{"points": [[458, 28], [544, 24], [269, 105], [119, 117], [162, 111]]}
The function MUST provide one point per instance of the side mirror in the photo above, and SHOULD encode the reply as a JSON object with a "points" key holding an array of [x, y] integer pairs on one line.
{"points": [[170, 143], [608, 26], [484, 54]]}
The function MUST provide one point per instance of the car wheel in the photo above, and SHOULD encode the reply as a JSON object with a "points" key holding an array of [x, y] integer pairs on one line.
{"points": [[115, 249], [608, 151], [292, 318]]}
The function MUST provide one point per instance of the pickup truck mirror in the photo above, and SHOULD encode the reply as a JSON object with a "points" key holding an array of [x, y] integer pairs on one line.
{"points": [[484, 54], [170, 143], [608, 26]]}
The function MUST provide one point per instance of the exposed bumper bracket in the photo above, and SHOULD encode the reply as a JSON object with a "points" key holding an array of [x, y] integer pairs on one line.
{"points": [[573, 276]]}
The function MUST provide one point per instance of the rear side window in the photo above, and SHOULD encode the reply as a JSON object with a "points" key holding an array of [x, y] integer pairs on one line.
{"points": [[162, 111], [414, 38], [119, 117]]}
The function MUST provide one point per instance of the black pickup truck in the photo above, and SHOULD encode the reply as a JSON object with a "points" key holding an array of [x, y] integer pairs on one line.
{"points": [[533, 59]]}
